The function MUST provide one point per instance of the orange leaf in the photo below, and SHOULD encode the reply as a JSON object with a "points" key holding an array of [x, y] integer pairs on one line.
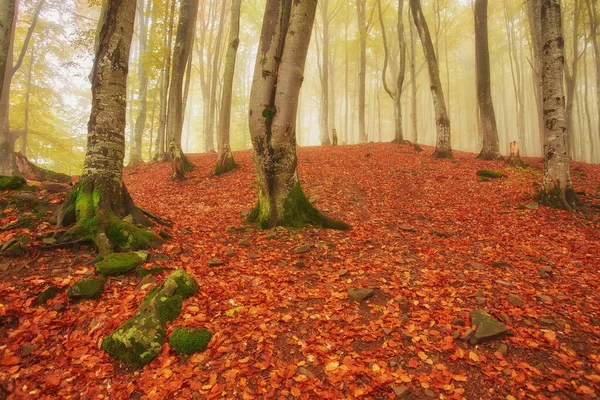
{"points": [[413, 363]]}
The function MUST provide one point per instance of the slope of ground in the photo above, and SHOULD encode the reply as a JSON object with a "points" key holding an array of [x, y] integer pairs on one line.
{"points": [[433, 240]]}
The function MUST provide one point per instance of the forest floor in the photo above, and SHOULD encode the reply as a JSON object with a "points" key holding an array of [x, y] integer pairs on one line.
{"points": [[433, 240]]}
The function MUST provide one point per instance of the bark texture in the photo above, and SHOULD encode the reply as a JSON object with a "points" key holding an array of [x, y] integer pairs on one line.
{"points": [[537, 41], [100, 201], [278, 76], [362, 71], [443, 148], [557, 190], [225, 161], [491, 143], [324, 111]]}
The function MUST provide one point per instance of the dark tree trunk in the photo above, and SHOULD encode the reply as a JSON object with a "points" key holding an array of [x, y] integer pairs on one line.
{"points": [[491, 143]]}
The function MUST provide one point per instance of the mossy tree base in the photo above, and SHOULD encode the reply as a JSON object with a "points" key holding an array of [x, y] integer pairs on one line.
{"points": [[225, 164], [139, 341], [490, 155], [11, 182], [516, 161], [296, 212], [106, 216], [443, 154], [560, 199]]}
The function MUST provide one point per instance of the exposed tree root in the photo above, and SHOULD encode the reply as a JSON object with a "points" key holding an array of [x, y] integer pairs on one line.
{"points": [[447, 154], [225, 164], [110, 220], [560, 199], [490, 155]]}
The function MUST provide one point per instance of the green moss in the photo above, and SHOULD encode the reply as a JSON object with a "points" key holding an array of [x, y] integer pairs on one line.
{"points": [[142, 272], [189, 340], [119, 263], [11, 182], [47, 294], [487, 173], [86, 289], [139, 340], [136, 342]]}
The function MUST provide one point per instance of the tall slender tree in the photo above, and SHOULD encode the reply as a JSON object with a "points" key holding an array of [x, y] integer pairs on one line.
{"points": [[491, 144], [396, 93], [7, 16], [181, 52], [443, 147], [225, 161], [535, 29], [593, 18], [100, 201], [557, 189], [363, 30], [278, 77]]}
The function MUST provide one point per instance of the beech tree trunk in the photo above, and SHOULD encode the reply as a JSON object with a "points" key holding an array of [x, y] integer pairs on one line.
{"points": [[225, 161], [324, 111], [396, 93], [135, 157], [413, 83], [571, 73], [443, 147], [161, 148], [591, 5], [278, 76], [556, 190], [181, 53], [533, 13], [362, 70], [214, 80], [491, 143], [100, 200]]}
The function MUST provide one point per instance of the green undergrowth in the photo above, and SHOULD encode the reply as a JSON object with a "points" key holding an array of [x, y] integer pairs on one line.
{"points": [[189, 340], [489, 174], [12, 182], [86, 289], [139, 340]]}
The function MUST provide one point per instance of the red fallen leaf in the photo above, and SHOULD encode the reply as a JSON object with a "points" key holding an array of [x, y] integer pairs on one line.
{"points": [[586, 390], [10, 360], [413, 362], [54, 379]]}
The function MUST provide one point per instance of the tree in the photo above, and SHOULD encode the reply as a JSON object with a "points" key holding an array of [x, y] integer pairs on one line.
{"points": [[181, 53], [100, 201], [491, 143], [535, 28], [395, 94], [7, 15], [140, 123], [278, 76], [9, 10], [591, 6], [443, 147], [225, 161], [557, 189], [363, 30]]}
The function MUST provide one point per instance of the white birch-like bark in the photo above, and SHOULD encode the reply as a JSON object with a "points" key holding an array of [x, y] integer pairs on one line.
{"points": [[556, 189]]}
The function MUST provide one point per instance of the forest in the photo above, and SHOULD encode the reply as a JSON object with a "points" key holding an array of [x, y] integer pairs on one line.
{"points": [[299, 199]]}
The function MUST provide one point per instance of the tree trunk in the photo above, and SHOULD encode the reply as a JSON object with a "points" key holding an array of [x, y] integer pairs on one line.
{"points": [[278, 76], [591, 4], [533, 12], [491, 144], [181, 53], [100, 200], [443, 147], [160, 152], [214, 81], [571, 79], [135, 156], [324, 110], [362, 70], [225, 161], [395, 94], [413, 84], [27, 97], [556, 190]]}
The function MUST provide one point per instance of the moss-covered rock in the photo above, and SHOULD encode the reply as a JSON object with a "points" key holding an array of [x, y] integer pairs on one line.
{"points": [[119, 263], [189, 340], [11, 182], [47, 294], [86, 289], [139, 340], [487, 173]]}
